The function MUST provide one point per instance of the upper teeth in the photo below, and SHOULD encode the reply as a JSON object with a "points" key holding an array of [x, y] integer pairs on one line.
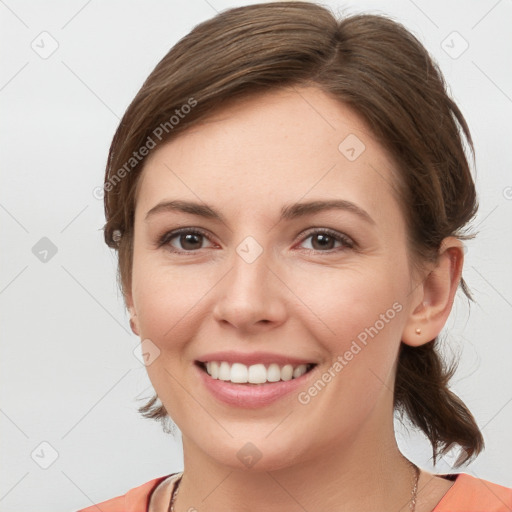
{"points": [[254, 374]]}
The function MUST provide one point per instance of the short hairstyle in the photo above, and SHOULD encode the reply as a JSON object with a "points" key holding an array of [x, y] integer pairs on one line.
{"points": [[379, 69]]}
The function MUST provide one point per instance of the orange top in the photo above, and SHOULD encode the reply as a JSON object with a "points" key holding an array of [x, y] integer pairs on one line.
{"points": [[467, 494]]}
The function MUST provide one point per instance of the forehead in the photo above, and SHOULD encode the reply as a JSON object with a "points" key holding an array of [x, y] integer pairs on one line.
{"points": [[273, 148]]}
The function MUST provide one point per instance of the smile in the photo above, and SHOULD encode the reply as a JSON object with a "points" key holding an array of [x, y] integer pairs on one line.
{"points": [[240, 373]]}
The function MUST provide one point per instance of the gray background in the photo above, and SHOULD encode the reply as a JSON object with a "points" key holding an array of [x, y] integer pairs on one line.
{"points": [[69, 376]]}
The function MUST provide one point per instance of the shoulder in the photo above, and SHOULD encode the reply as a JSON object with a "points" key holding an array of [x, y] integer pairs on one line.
{"points": [[135, 500], [471, 494]]}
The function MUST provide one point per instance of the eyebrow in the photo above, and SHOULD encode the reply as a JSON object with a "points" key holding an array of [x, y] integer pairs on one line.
{"points": [[288, 212]]}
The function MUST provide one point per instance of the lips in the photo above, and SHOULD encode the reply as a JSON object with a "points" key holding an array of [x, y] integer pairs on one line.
{"points": [[247, 395], [249, 359], [253, 380]]}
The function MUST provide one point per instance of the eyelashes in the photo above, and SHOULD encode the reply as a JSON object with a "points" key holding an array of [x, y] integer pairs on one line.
{"points": [[166, 238], [329, 235], [325, 236]]}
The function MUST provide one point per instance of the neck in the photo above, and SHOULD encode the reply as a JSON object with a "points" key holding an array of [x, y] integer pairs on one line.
{"points": [[366, 472]]}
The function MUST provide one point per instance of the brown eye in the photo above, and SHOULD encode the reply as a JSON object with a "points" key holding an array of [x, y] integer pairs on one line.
{"points": [[326, 240], [322, 241], [190, 241], [185, 240]]}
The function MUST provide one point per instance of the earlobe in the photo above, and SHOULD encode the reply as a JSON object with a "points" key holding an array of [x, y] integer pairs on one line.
{"points": [[133, 314], [133, 326], [434, 296]]}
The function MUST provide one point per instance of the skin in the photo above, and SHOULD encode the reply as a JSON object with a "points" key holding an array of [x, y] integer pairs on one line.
{"points": [[298, 297]]}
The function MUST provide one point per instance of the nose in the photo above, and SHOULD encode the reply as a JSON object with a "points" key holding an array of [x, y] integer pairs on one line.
{"points": [[251, 296]]}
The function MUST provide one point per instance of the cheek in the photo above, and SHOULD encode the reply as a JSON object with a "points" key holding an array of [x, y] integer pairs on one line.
{"points": [[169, 301], [360, 329], [348, 305]]}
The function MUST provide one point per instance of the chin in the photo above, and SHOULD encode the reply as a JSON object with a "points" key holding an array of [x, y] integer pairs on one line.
{"points": [[256, 453]]}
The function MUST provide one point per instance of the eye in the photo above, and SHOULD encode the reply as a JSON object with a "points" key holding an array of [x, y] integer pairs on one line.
{"points": [[188, 240], [325, 240], [183, 240]]}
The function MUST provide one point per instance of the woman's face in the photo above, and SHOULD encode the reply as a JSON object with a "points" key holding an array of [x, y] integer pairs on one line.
{"points": [[254, 279]]}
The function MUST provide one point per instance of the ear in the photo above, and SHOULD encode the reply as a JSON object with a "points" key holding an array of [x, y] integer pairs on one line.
{"points": [[433, 297], [134, 326]]}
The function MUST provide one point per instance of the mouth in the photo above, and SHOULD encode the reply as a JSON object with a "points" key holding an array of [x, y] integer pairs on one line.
{"points": [[256, 374]]}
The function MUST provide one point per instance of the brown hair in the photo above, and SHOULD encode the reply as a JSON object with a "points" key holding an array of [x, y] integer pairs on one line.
{"points": [[375, 66]]}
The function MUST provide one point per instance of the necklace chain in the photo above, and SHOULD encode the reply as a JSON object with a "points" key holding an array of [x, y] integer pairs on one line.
{"points": [[412, 503], [174, 494]]}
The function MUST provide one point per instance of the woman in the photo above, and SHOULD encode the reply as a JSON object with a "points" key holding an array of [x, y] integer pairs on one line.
{"points": [[287, 194]]}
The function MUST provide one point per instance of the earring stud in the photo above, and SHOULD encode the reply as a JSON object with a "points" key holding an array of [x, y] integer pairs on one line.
{"points": [[418, 330]]}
